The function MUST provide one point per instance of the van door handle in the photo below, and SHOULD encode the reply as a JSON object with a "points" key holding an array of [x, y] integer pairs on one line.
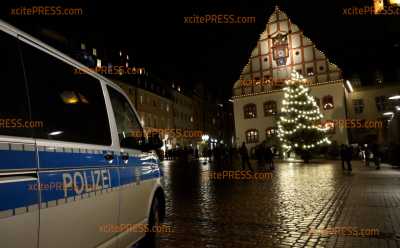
{"points": [[125, 157], [109, 157]]}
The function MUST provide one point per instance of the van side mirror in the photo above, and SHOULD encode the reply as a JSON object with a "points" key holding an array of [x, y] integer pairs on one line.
{"points": [[154, 142], [133, 142]]}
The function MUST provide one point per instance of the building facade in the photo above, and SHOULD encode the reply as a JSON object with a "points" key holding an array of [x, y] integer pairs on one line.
{"points": [[190, 115], [257, 94], [371, 104]]}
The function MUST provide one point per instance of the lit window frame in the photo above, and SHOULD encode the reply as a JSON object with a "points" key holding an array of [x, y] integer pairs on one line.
{"points": [[252, 136], [270, 108], [328, 103], [250, 111]]}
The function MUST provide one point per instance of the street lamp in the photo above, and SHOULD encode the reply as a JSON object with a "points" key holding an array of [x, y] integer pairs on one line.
{"points": [[396, 97], [205, 137], [390, 114], [349, 86], [394, 127]]}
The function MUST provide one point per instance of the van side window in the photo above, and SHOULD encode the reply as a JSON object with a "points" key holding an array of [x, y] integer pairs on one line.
{"points": [[127, 123], [14, 112], [70, 105]]}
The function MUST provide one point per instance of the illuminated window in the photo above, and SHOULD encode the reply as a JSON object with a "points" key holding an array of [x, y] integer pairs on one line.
{"points": [[378, 6], [270, 108], [250, 111], [310, 71], [271, 131], [252, 136], [327, 102], [358, 105]]}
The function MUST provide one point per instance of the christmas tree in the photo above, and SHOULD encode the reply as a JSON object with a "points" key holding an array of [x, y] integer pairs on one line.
{"points": [[299, 126]]}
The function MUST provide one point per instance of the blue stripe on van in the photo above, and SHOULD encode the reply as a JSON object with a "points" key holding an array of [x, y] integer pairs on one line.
{"points": [[150, 172], [86, 181], [10, 159], [22, 194], [17, 194], [127, 175], [149, 169], [63, 159]]}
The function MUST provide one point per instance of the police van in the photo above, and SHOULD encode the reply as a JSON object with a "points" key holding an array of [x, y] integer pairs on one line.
{"points": [[68, 164]]}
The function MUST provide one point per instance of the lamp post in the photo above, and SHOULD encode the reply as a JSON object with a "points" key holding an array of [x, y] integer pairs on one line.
{"points": [[395, 120]]}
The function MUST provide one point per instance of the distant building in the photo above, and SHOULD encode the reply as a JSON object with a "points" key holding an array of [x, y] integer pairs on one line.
{"points": [[174, 108], [257, 94], [372, 104]]}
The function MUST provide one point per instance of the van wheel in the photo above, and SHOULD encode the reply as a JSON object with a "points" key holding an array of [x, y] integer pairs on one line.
{"points": [[151, 239]]}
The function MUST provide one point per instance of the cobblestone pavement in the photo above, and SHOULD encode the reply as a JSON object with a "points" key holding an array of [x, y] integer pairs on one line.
{"points": [[280, 212]]}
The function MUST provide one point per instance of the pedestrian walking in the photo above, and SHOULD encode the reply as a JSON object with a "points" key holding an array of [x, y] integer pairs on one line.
{"points": [[368, 155], [377, 156], [259, 155], [231, 153], [269, 158], [244, 154], [349, 157], [343, 155]]}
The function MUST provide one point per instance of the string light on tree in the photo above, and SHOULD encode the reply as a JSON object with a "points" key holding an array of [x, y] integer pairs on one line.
{"points": [[299, 127]]}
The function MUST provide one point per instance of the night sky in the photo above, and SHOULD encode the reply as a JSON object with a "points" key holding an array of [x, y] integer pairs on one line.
{"points": [[155, 34]]}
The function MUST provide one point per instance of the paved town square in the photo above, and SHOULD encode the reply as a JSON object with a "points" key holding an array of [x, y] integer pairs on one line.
{"points": [[284, 211]]}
